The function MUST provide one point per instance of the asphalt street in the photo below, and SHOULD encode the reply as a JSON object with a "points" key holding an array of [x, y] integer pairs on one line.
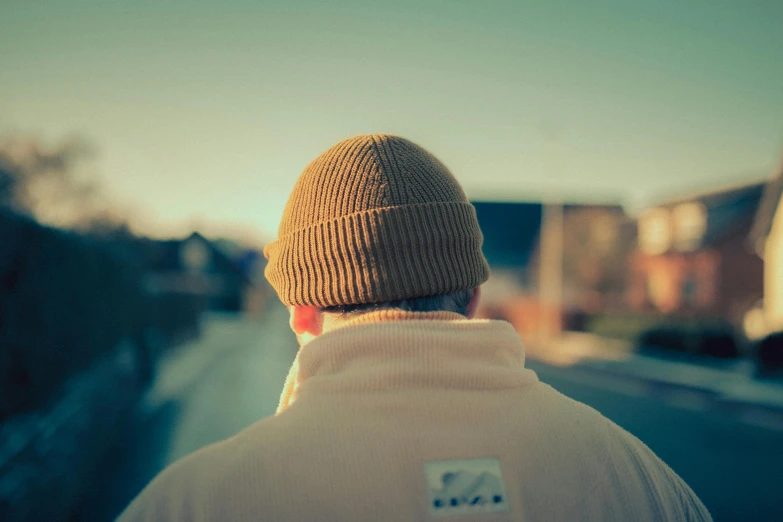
{"points": [[735, 467], [231, 377]]}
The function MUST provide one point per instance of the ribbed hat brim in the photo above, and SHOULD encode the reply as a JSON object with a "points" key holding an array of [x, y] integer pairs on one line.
{"points": [[380, 255]]}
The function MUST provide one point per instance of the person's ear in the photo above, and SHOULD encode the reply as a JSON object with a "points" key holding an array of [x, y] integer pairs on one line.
{"points": [[473, 304], [306, 320]]}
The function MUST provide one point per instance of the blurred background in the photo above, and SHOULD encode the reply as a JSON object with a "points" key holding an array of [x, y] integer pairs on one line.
{"points": [[624, 160]]}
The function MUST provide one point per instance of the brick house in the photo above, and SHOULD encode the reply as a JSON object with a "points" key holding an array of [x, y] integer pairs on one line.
{"points": [[693, 258]]}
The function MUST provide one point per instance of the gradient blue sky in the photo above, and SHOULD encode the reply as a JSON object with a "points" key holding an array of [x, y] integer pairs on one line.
{"points": [[207, 112]]}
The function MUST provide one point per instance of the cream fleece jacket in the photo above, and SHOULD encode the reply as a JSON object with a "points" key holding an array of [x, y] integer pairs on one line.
{"points": [[420, 416]]}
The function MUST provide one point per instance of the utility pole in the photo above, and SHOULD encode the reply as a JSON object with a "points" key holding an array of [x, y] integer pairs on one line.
{"points": [[551, 271], [551, 241]]}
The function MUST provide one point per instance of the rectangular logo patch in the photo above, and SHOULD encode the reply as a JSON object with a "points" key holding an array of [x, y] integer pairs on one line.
{"points": [[465, 487]]}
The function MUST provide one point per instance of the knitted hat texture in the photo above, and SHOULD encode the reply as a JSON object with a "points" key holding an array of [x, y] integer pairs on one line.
{"points": [[375, 218]]}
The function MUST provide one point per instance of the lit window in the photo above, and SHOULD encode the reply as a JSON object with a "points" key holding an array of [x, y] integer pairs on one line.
{"points": [[690, 224], [655, 233]]}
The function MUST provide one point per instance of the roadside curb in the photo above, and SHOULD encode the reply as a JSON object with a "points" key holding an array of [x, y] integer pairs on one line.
{"points": [[725, 388], [718, 395]]}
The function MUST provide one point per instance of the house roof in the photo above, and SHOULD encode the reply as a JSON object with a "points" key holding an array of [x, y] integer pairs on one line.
{"points": [[618, 209], [728, 209], [511, 231], [165, 256]]}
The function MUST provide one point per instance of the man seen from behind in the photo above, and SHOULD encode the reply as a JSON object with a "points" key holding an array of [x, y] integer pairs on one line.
{"points": [[401, 406]]}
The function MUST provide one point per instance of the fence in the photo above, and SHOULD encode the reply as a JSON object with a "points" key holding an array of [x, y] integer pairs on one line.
{"points": [[75, 349]]}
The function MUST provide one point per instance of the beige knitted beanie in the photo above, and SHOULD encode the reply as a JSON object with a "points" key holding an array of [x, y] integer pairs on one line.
{"points": [[375, 218]]}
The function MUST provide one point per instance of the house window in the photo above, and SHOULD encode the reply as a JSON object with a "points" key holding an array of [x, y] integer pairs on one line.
{"points": [[655, 233], [689, 291], [690, 224]]}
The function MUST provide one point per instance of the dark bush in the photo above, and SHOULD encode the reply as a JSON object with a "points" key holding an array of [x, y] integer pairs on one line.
{"points": [[713, 339], [665, 337], [575, 321], [769, 353], [176, 316], [718, 343], [63, 303]]}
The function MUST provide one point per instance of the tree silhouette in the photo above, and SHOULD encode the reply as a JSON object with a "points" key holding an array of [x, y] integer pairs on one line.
{"points": [[49, 183]]}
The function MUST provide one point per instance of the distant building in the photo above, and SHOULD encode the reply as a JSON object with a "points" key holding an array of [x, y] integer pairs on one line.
{"points": [[511, 235], [585, 251], [693, 259], [767, 239], [597, 241], [195, 266]]}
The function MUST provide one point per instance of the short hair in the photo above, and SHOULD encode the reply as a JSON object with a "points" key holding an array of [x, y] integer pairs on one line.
{"points": [[456, 301]]}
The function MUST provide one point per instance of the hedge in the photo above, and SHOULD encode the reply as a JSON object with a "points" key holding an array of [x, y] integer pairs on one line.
{"points": [[689, 335], [65, 301], [769, 354]]}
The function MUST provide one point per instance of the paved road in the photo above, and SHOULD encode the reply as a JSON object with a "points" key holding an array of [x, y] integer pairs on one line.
{"points": [[735, 467], [230, 378], [204, 392]]}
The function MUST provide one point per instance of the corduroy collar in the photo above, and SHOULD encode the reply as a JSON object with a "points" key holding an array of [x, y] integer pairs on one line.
{"points": [[394, 314], [394, 350]]}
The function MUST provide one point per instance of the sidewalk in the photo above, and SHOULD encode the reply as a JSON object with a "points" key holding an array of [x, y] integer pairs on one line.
{"points": [[731, 385]]}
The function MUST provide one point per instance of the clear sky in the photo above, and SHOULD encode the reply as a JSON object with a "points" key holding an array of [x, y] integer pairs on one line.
{"points": [[208, 111]]}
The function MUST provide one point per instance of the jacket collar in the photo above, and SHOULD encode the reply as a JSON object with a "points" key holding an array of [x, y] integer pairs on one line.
{"points": [[409, 350]]}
